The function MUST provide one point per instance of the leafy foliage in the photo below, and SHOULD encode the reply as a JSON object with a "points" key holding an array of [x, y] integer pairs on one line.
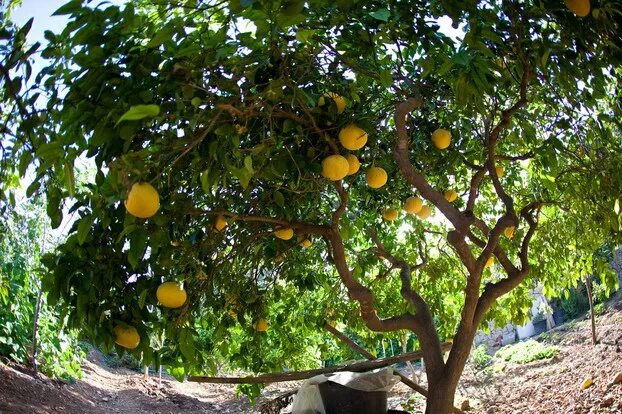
{"points": [[218, 105], [21, 240], [525, 352], [480, 357]]}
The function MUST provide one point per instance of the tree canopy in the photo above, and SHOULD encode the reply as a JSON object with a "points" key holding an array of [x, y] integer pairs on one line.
{"points": [[228, 108]]}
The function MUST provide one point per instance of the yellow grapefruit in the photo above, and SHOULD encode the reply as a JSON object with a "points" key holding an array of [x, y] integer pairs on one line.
{"points": [[425, 212], [261, 325], [441, 138], [353, 164], [579, 7], [143, 200], [509, 232], [376, 177], [390, 214], [413, 205], [340, 101], [171, 295], [489, 262], [500, 171], [126, 336], [451, 195], [352, 137], [284, 234], [335, 167], [221, 223], [306, 243]]}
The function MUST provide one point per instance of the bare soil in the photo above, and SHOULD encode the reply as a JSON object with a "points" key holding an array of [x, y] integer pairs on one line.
{"points": [[547, 386]]}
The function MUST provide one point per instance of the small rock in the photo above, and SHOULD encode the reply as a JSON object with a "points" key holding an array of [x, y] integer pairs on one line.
{"points": [[607, 401], [105, 399], [587, 383], [465, 405], [617, 379]]}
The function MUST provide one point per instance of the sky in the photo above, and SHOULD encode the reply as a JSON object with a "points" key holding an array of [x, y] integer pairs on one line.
{"points": [[42, 11]]}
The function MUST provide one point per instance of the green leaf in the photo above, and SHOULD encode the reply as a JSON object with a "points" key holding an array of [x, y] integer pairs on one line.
{"points": [[279, 199], [305, 35], [69, 179], [68, 8], [161, 36], [186, 345], [205, 181], [51, 150], [248, 163], [382, 15], [84, 228], [137, 112], [138, 243]]}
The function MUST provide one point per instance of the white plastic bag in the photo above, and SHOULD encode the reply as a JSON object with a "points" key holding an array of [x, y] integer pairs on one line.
{"points": [[309, 401]]}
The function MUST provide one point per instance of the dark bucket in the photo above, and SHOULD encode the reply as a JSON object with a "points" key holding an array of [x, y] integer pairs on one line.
{"points": [[339, 399]]}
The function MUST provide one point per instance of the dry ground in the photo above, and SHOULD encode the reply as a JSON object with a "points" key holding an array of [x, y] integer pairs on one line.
{"points": [[549, 386]]}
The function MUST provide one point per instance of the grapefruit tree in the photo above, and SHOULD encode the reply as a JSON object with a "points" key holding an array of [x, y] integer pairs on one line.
{"points": [[227, 137]]}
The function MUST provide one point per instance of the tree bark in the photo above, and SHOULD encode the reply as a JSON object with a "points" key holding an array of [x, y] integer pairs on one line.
{"points": [[440, 398], [360, 366], [405, 380], [588, 286]]}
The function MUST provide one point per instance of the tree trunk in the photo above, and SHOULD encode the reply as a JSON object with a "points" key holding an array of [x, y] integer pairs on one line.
{"points": [[588, 285], [440, 398]]}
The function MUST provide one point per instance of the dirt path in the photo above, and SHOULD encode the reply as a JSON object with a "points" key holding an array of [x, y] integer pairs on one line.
{"points": [[549, 386]]}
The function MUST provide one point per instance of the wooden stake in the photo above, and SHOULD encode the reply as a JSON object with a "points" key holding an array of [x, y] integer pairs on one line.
{"points": [[588, 285]]}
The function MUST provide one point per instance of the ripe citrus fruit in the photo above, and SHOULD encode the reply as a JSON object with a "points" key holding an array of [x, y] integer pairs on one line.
{"points": [[413, 205], [261, 325], [335, 167], [126, 336], [509, 232], [451, 195], [340, 101], [390, 214], [579, 7], [441, 138], [489, 262], [500, 171], [352, 137], [353, 164], [221, 223], [376, 177], [306, 243], [425, 212], [284, 234], [171, 295], [142, 201]]}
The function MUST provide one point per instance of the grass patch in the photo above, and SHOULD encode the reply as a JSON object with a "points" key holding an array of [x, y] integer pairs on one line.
{"points": [[528, 351]]}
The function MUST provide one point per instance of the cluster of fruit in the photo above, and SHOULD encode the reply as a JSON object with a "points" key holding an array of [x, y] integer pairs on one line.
{"points": [[170, 295]]}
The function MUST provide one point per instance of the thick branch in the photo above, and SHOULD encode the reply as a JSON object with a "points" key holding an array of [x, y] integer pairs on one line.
{"points": [[413, 176], [420, 323], [343, 197], [493, 291], [301, 227], [360, 366], [476, 181]]}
